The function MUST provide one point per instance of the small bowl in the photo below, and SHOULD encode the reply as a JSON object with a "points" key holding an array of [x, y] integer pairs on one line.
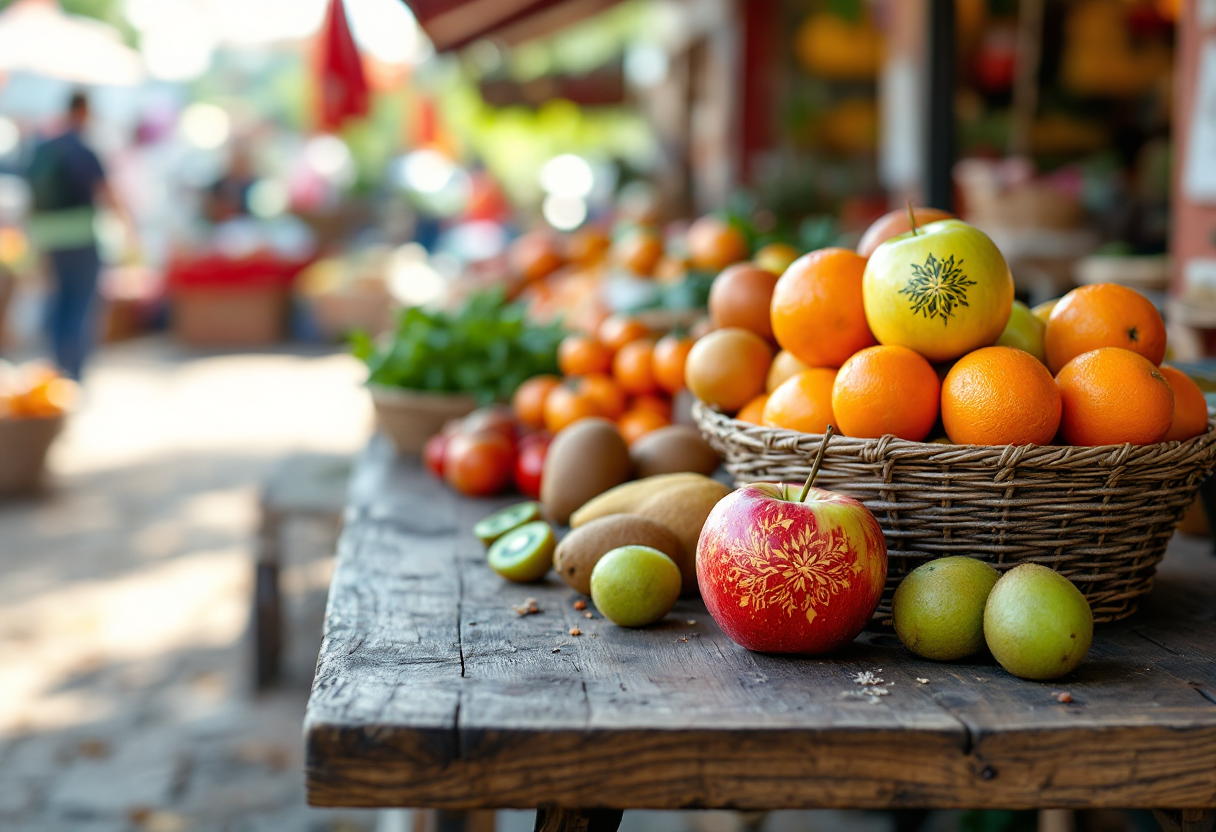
{"points": [[410, 417]]}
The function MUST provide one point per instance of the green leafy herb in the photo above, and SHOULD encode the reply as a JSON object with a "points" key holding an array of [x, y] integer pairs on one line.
{"points": [[486, 348]]}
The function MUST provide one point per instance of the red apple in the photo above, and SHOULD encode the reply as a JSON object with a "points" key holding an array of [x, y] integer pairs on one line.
{"points": [[784, 575]]}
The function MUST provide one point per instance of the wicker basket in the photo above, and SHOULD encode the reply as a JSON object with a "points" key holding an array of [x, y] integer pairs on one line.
{"points": [[410, 417], [1100, 516]]}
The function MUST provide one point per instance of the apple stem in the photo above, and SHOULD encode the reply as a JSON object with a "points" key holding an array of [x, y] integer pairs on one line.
{"points": [[823, 448], [912, 219]]}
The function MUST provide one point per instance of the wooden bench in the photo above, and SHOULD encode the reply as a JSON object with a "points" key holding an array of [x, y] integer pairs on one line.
{"points": [[305, 485], [432, 691]]}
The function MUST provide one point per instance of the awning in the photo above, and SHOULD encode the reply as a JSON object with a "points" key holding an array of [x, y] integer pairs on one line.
{"points": [[451, 24]]}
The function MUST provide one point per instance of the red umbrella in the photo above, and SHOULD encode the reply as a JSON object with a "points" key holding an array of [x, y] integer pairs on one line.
{"points": [[342, 90]]}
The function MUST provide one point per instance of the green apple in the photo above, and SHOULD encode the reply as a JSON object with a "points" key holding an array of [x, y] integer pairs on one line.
{"points": [[938, 609], [942, 290], [1037, 624], [1024, 332], [635, 585], [1043, 310]]}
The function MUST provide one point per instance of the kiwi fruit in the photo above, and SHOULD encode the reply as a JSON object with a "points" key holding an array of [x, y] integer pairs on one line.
{"points": [[525, 553], [625, 498], [499, 523], [581, 549], [683, 509], [584, 460], [673, 449]]}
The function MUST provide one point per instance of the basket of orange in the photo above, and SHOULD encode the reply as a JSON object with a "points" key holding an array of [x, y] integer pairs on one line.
{"points": [[34, 401], [970, 424]]}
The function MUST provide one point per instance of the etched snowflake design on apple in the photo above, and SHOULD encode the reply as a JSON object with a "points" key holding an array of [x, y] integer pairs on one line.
{"points": [[937, 287], [810, 568]]}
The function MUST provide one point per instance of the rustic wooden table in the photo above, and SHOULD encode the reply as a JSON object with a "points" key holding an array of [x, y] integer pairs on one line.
{"points": [[432, 691]]}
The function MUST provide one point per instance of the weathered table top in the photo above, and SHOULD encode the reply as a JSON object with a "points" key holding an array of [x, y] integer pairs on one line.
{"points": [[431, 691]]}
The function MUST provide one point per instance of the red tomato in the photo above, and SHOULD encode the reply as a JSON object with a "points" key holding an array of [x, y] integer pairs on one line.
{"points": [[479, 464], [530, 463], [433, 452], [498, 418]]}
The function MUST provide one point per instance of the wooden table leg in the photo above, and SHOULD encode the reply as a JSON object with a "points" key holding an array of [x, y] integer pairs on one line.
{"points": [[549, 819], [267, 603], [1186, 820]]}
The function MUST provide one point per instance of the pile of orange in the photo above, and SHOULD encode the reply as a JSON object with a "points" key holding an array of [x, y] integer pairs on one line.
{"points": [[1101, 382], [34, 391], [621, 373]]}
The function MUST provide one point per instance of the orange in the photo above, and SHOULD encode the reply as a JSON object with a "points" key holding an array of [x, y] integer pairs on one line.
{"points": [[617, 330], [753, 411], [1111, 396], [1000, 396], [714, 244], [1103, 315], [587, 246], [887, 389], [1190, 407], [637, 423], [604, 392], [656, 404], [529, 400], [667, 362], [894, 223], [817, 310], [803, 403], [740, 296], [726, 368], [784, 365], [580, 355], [632, 367], [639, 251], [564, 406], [535, 255]]}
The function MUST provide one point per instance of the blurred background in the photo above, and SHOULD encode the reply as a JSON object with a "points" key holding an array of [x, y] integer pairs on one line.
{"points": [[267, 177]]}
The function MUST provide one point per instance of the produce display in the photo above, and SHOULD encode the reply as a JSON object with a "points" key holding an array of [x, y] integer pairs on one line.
{"points": [[914, 335], [34, 391], [486, 348]]}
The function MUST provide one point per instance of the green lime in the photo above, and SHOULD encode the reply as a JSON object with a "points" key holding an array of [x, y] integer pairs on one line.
{"points": [[1037, 623], [496, 525], [939, 607], [524, 554], [635, 585]]}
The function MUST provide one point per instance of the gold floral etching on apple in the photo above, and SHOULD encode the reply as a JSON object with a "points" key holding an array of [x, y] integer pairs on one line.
{"points": [[937, 287], [809, 568]]}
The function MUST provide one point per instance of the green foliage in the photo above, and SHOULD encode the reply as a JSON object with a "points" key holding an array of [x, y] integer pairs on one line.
{"points": [[820, 231], [485, 348]]}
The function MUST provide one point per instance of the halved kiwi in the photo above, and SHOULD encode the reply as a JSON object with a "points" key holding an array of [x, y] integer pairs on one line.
{"points": [[496, 525], [524, 554]]}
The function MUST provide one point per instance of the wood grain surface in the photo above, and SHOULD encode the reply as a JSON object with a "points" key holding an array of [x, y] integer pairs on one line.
{"points": [[431, 691]]}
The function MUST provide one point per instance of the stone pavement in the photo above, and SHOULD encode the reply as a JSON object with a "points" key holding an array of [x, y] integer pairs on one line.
{"points": [[124, 595]]}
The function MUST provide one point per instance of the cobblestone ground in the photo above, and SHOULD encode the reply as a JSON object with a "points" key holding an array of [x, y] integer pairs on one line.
{"points": [[124, 593]]}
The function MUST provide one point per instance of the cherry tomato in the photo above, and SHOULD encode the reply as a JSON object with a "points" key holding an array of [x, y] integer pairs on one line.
{"points": [[433, 453], [479, 464], [530, 464]]}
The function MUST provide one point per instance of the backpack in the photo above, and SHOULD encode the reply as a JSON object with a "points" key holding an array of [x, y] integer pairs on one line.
{"points": [[46, 179]]}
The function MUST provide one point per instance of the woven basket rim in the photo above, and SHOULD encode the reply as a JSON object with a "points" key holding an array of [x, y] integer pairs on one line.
{"points": [[995, 456]]}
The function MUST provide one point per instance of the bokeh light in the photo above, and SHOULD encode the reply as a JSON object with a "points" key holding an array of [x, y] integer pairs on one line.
{"points": [[205, 126]]}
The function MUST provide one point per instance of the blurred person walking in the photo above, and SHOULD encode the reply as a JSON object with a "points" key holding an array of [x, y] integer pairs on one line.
{"points": [[68, 182]]}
